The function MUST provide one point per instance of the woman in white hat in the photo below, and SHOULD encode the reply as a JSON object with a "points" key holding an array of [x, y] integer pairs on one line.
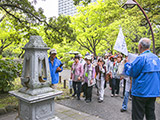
{"points": [[89, 79]]}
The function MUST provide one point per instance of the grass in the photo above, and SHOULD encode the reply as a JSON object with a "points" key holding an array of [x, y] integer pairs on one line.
{"points": [[6, 99], [65, 91]]}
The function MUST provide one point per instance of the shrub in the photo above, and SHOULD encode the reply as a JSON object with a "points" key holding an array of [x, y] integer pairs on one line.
{"points": [[9, 70]]}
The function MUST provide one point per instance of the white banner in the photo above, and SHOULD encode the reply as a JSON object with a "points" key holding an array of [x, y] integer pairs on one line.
{"points": [[120, 44]]}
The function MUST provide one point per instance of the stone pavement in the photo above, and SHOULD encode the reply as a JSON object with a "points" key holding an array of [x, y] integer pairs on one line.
{"points": [[61, 113], [108, 110]]}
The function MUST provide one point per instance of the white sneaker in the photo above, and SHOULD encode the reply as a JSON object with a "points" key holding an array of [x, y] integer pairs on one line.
{"points": [[116, 95], [112, 95]]}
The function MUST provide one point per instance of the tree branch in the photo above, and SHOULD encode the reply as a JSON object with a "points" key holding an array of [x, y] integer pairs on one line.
{"points": [[13, 15], [25, 11], [2, 18]]}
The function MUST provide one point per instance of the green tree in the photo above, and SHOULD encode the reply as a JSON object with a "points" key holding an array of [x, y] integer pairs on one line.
{"points": [[92, 21], [26, 12], [62, 31], [26, 21], [132, 21], [12, 33]]}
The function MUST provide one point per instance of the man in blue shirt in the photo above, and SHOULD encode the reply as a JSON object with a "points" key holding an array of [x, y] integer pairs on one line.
{"points": [[145, 71], [55, 66]]}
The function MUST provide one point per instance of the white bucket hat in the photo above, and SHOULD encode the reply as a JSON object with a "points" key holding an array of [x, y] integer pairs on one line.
{"points": [[53, 51]]}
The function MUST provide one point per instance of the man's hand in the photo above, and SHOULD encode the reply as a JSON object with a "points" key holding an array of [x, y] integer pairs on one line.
{"points": [[79, 78], [121, 78], [126, 59], [58, 69], [91, 81]]}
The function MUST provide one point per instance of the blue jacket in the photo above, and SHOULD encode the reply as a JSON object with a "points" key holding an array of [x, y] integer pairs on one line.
{"points": [[54, 74], [145, 70]]}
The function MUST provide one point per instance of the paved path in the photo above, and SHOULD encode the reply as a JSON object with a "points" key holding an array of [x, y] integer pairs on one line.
{"points": [[61, 113], [108, 110]]}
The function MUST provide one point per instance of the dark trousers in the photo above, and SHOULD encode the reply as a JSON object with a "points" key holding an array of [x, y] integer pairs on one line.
{"points": [[110, 83], [143, 106], [88, 91], [105, 84], [115, 86], [124, 86], [77, 88]]}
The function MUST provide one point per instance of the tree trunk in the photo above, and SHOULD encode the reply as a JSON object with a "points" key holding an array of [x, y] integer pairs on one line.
{"points": [[1, 51]]}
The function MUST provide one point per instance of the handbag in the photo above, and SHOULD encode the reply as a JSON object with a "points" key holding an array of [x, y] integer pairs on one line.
{"points": [[108, 77]]}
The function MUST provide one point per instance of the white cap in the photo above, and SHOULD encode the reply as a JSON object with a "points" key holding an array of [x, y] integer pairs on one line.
{"points": [[85, 57], [80, 55], [52, 51], [106, 54], [89, 57]]}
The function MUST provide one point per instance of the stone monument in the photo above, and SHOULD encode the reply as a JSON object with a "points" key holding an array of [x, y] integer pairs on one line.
{"points": [[36, 98]]}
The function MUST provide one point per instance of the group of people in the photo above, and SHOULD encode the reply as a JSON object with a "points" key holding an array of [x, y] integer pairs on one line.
{"points": [[142, 78], [89, 72]]}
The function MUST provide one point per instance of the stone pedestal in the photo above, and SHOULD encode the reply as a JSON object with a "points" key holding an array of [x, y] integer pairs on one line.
{"points": [[38, 107], [36, 97]]}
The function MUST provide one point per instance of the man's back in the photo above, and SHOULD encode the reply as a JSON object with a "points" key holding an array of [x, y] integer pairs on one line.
{"points": [[145, 71]]}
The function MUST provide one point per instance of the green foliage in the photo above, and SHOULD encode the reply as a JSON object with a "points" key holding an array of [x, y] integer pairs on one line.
{"points": [[84, 2], [91, 24], [70, 63], [6, 99], [103, 19], [9, 70], [59, 30], [23, 12], [94, 29], [20, 20], [67, 60]]}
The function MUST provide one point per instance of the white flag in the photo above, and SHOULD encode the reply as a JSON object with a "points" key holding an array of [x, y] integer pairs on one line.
{"points": [[120, 44]]}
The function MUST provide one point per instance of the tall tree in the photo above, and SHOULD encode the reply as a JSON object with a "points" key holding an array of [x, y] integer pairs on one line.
{"points": [[132, 21], [24, 19], [12, 33], [91, 23], [62, 32]]}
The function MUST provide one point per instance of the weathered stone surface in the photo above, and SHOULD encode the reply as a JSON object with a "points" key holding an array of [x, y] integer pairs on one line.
{"points": [[36, 98], [36, 42], [35, 74], [37, 107]]}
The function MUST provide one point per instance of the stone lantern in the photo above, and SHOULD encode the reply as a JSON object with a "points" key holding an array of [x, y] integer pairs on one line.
{"points": [[36, 97]]}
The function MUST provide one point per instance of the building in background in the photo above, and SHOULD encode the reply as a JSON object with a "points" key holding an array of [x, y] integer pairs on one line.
{"points": [[66, 7]]}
